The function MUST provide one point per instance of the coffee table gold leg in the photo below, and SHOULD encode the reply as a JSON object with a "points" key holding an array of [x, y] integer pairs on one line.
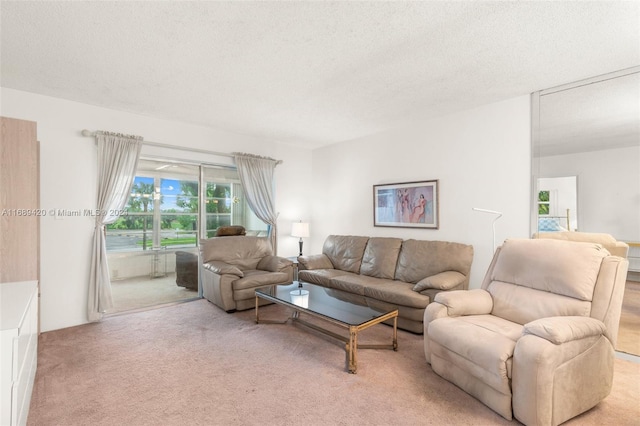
{"points": [[257, 317], [353, 350], [395, 333]]}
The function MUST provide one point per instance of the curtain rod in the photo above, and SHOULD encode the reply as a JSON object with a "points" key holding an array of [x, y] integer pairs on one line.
{"points": [[88, 133]]}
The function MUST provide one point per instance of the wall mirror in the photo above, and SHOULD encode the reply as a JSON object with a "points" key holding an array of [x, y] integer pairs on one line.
{"points": [[586, 170], [557, 204]]}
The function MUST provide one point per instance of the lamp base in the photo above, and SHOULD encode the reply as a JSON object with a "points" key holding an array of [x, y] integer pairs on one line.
{"points": [[300, 244], [300, 298]]}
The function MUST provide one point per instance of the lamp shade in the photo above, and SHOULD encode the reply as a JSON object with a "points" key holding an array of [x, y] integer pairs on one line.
{"points": [[300, 229]]}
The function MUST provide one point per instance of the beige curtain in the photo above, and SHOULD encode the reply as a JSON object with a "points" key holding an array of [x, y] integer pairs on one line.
{"points": [[117, 163], [256, 176]]}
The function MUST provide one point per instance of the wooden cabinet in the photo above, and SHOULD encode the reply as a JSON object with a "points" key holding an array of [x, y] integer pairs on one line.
{"points": [[19, 201], [19, 266]]}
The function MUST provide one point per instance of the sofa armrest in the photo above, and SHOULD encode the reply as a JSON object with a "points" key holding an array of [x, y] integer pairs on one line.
{"points": [[559, 330], [465, 302], [273, 263], [221, 268], [442, 281], [314, 261]]}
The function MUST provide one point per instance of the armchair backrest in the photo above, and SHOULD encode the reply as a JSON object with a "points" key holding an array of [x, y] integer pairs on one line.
{"points": [[241, 251], [538, 278], [615, 247]]}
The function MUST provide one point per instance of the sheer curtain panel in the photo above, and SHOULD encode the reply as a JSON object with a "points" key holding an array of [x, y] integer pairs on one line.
{"points": [[117, 163], [256, 176]]}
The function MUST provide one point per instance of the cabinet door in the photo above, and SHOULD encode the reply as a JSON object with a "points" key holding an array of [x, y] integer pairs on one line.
{"points": [[7, 338], [19, 201]]}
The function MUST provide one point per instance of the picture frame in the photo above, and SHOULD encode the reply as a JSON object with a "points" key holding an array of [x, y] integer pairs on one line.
{"points": [[406, 205]]}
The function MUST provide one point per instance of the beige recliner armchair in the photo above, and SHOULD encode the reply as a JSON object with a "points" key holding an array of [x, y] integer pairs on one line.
{"points": [[537, 340], [233, 267]]}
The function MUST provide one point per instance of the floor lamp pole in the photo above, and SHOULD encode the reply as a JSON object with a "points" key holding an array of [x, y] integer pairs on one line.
{"points": [[493, 224]]}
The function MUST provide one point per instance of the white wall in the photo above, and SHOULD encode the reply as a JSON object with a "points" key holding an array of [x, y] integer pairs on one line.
{"points": [[608, 189], [481, 158], [68, 181]]}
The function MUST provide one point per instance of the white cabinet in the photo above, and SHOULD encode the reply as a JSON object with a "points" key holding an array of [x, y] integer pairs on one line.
{"points": [[18, 350], [19, 266]]}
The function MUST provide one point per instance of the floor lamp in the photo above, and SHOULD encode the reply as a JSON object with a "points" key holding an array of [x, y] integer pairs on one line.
{"points": [[493, 225]]}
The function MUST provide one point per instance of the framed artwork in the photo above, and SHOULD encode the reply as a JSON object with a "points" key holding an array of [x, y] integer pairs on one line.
{"points": [[406, 205]]}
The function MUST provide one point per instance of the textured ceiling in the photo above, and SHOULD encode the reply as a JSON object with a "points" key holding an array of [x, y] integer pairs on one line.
{"points": [[600, 115], [309, 73]]}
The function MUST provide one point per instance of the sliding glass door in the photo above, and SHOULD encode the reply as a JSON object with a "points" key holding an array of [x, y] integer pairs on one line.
{"points": [[153, 248]]}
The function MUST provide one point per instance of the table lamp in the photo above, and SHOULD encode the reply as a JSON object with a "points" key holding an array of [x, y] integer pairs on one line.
{"points": [[300, 230]]}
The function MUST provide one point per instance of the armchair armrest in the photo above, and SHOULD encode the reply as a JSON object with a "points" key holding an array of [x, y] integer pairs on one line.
{"points": [[559, 330], [273, 263], [452, 304], [559, 353], [221, 268], [465, 302], [315, 261]]}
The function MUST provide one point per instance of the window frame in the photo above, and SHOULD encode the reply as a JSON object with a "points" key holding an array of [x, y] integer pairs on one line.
{"points": [[204, 175]]}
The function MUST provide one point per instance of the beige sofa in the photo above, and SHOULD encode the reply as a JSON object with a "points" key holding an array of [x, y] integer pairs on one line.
{"points": [[537, 340], [389, 272], [233, 267], [615, 247]]}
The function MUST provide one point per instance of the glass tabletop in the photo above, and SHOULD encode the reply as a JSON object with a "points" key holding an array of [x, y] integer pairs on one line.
{"points": [[348, 308]]}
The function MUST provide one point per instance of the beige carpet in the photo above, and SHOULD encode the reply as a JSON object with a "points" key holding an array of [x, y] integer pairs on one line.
{"points": [[193, 364]]}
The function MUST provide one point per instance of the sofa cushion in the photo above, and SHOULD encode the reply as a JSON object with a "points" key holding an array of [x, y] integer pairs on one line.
{"points": [[397, 293], [353, 283], [523, 304], [320, 276], [380, 257], [345, 251], [442, 281], [419, 259], [481, 345]]}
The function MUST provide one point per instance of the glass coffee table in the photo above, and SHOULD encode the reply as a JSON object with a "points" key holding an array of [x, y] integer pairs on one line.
{"points": [[334, 306]]}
